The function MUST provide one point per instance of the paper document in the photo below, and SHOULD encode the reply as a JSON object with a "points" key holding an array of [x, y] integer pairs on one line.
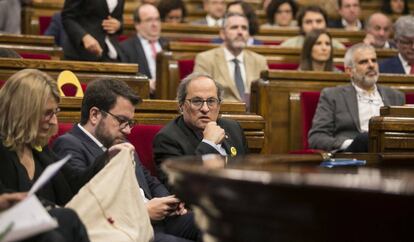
{"points": [[26, 218], [48, 173]]}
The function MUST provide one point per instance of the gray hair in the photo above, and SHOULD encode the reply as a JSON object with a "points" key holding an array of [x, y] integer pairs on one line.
{"points": [[404, 26], [182, 87], [229, 15], [349, 55]]}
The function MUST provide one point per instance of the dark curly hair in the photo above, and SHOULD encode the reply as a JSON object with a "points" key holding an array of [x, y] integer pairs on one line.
{"points": [[274, 7], [166, 6]]}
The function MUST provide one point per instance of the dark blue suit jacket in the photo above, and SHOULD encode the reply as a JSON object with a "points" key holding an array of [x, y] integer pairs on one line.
{"points": [[84, 153], [391, 65]]}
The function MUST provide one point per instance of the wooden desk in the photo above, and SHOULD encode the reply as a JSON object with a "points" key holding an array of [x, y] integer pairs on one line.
{"points": [[276, 97], [84, 70], [393, 130], [31, 44], [163, 111], [290, 198]]}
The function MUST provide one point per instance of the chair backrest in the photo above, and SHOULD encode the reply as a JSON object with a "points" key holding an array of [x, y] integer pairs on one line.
{"points": [[185, 67], [44, 22], [69, 84], [309, 102], [409, 97], [141, 138]]}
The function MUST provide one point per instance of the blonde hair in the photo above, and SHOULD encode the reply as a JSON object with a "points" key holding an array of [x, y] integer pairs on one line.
{"points": [[22, 101]]}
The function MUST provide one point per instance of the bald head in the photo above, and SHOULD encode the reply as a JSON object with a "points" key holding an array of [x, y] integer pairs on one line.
{"points": [[379, 26], [147, 22]]}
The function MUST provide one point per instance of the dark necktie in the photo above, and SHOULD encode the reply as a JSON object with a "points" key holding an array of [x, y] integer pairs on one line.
{"points": [[238, 78]]}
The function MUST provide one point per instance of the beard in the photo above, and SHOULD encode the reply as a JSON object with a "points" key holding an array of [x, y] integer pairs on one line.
{"points": [[364, 80], [104, 137]]}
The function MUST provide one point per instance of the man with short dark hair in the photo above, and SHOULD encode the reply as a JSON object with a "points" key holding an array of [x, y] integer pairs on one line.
{"points": [[231, 65], [198, 130], [107, 114], [403, 63], [215, 10], [342, 116], [310, 18], [350, 11], [142, 48], [378, 28]]}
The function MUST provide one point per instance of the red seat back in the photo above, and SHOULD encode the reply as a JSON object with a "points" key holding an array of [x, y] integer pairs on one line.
{"points": [[44, 22], [141, 138], [283, 66], [35, 56], [409, 98], [185, 67], [62, 128], [309, 102]]}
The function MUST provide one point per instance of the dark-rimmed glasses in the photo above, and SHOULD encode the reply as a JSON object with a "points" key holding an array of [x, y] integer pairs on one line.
{"points": [[197, 103], [48, 115], [123, 122]]}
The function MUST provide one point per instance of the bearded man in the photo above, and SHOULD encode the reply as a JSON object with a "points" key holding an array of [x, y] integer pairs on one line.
{"points": [[342, 116]]}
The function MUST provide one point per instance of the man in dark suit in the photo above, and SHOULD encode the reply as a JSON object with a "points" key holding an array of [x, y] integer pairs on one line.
{"points": [[92, 28], [107, 118], [198, 130], [143, 47], [215, 10], [403, 63], [350, 11], [342, 116]]}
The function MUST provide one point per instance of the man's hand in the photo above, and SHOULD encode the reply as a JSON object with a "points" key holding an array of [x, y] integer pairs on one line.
{"points": [[111, 25], [369, 39], [92, 45], [152, 86], [214, 133], [8, 199], [160, 207]]}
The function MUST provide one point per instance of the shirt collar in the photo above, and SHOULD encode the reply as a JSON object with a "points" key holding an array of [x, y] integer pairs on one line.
{"points": [[213, 22], [403, 61], [359, 24], [92, 137], [363, 92], [229, 56]]}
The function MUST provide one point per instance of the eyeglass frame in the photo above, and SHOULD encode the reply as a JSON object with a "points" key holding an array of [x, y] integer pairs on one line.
{"points": [[403, 41], [48, 115], [123, 122], [191, 100]]}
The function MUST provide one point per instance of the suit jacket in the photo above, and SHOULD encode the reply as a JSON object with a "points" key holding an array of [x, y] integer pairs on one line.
{"points": [[86, 153], [201, 21], [11, 180], [177, 139], [214, 63], [134, 53], [337, 23], [56, 29], [391, 65], [337, 119], [81, 17]]}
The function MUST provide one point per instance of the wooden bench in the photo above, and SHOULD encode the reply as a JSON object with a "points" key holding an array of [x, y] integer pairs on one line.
{"points": [[162, 111], [393, 130], [177, 62], [85, 71], [276, 97], [31, 44]]}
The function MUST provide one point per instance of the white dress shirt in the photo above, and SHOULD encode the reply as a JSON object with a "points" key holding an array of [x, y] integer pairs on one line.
{"points": [[111, 49], [146, 45], [230, 65], [214, 22], [406, 66]]}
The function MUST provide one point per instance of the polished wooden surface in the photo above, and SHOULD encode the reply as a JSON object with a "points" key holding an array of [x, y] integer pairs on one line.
{"points": [[163, 111], [393, 130], [291, 198], [277, 98]]}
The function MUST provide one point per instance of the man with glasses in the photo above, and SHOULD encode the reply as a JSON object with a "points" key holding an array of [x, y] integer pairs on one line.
{"points": [[198, 130], [142, 48], [342, 116], [107, 114], [403, 63]]}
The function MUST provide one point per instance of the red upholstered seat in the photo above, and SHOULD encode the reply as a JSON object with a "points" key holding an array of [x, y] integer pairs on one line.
{"points": [[44, 22], [309, 102], [185, 67], [69, 89], [63, 128], [409, 98], [141, 137], [2, 83], [283, 66], [35, 56]]}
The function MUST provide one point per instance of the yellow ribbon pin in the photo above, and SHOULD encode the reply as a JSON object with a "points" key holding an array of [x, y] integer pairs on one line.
{"points": [[233, 151]]}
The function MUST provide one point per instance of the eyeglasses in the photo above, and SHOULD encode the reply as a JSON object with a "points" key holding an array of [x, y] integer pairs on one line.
{"points": [[197, 103], [406, 42], [48, 115], [123, 122]]}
